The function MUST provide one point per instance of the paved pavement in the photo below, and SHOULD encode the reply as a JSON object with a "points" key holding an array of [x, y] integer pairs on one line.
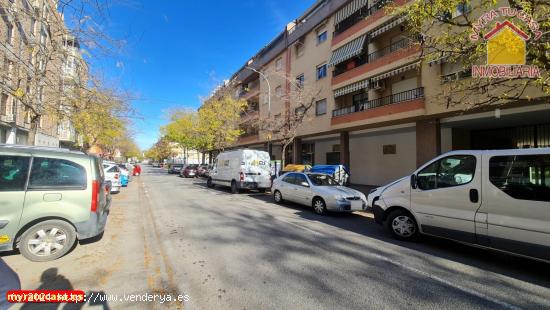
{"points": [[175, 236]]}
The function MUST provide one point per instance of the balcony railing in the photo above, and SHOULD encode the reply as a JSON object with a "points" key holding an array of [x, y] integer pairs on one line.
{"points": [[356, 17], [364, 59], [363, 105], [401, 44], [456, 76]]}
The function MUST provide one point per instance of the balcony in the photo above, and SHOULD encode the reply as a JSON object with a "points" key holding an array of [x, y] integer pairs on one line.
{"points": [[365, 105], [389, 55]]}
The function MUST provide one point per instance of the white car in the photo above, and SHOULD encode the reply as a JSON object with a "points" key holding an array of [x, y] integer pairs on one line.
{"points": [[242, 169], [320, 191], [112, 173]]}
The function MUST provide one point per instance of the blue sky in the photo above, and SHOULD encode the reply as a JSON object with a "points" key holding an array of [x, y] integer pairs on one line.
{"points": [[178, 50]]}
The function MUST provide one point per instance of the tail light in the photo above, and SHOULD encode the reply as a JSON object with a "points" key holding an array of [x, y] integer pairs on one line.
{"points": [[116, 176], [95, 195], [242, 176]]}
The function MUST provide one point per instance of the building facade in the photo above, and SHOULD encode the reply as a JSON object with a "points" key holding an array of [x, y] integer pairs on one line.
{"points": [[379, 108], [30, 82]]}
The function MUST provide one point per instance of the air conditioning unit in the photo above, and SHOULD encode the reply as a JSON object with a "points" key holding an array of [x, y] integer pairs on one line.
{"points": [[7, 118], [379, 85]]}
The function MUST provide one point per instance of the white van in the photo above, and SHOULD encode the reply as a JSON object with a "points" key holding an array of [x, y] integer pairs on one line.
{"points": [[242, 169], [492, 199]]}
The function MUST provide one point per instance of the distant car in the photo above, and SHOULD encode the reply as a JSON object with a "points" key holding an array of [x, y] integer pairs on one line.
{"points": [[137, 170], [156, 165], [112, 173], [124, 175], [190, 171], [320, 191], [202, 170], [175, 168]]}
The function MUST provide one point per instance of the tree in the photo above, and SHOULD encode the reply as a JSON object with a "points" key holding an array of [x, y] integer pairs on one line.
{"points": [[452, 31], [183, 129], [161, 150], [101, 119], [299, 102], [218, 122]]}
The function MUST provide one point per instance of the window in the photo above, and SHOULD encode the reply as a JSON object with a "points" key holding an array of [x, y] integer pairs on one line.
{"points": [[322, 180], [299, 48], [290, 178], [13, 173], [113, 169], [321, 107], [300, 111], [322, 37], [9, 34], [279, 91], [321, 71], [461, 9], [525, 177], [4, 105], [447, 172], [300, 80], [279, 64], [33, 26], [53, 173], [300, 178]]}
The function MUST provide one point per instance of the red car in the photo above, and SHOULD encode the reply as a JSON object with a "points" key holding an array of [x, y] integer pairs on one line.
{"points": [[189, 171], [137, 170]]}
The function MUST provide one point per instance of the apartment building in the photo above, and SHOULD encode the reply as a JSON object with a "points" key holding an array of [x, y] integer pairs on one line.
{"points": [[381, 108], [31, 76]]}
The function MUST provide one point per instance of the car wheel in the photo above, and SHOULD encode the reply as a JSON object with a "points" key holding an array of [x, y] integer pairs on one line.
{"points": [[402, 225], [234, 189], [278, 197], [319, 206], [209, 183], [47, 241]]}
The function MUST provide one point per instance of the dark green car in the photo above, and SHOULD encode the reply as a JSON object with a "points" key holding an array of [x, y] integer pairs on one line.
{"points": [[49, 199]]}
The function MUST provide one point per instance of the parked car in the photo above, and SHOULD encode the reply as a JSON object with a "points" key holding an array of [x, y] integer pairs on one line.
{"points": [[492, 199], [50, 198], [175, 168], [124, 175], [202, 170], [112, 173], [242, 169], [190, 171], [137, 170], [156, 165], [320, 191]]}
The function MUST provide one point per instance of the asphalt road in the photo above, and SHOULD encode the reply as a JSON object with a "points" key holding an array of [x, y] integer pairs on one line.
{"points": [[168, 235]]}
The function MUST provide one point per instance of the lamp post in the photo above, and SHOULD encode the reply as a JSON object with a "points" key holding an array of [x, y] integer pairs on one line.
{"points": [[268, 103], [268, 89]]}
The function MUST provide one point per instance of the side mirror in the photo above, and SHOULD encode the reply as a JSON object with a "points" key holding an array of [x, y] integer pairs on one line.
{"points": [[305, 184], [414, 181]]}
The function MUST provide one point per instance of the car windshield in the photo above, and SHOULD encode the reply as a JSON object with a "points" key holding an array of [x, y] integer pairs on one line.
{"points": [[322, 180]]}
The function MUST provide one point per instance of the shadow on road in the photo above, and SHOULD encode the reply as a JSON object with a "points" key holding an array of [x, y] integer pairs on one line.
{"points": [[500, 263]]}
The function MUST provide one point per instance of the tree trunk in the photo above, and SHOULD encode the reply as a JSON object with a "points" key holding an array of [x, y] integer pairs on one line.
{"points": [[32, 134], [203, 158]]}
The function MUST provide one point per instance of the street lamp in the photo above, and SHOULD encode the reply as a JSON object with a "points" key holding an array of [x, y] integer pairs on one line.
{"points": [[268, 89], [268, 103]]}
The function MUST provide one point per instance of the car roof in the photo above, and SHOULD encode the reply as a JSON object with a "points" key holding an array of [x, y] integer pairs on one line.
{"points": [[41, 151]]}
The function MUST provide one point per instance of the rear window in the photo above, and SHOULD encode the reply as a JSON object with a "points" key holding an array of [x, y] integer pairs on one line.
{"points": [[56, 173], [13, 173], [113, 169]]}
